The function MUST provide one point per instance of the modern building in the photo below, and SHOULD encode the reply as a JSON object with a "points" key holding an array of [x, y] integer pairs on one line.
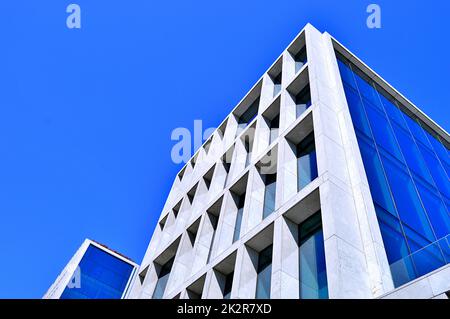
{"points": [[94, 272], [323, 182]]}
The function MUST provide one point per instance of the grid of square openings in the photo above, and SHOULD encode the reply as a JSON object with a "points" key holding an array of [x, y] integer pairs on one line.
{"points": [[247, 173]]}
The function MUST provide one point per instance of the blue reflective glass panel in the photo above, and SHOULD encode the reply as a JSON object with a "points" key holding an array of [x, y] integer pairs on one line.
{"points": [[436, 170], [441, 152], [393, 112], [382, 132], [101, 276], [368, 93], [357, 110], [411, 153], [428, 259], [347, 74], [435, 208], [377, 181], [407, 201], [417, 131]]}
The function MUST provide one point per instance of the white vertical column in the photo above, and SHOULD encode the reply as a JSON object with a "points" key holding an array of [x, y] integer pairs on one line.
{"points": [[225, 228], [285, 260], [287, 106], [287, 172], [203, 244], [255, 201], [353, 269], [182, 265], [239, 159], [245, 275], [266, 93], [214, 285], [218, 180]]}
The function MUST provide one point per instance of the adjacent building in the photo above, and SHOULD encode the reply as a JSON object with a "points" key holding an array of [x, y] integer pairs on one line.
{"points": [[94, 272], [323, 182]]}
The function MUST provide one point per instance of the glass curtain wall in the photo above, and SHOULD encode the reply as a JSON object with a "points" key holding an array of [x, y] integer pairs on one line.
{"points": [[408, 173], [101, 276]]}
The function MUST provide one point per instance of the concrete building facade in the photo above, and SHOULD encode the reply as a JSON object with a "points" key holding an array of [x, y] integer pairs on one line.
{"points": [[280, 201]]}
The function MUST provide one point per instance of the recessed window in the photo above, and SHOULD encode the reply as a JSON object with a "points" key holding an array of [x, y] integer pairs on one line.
{"points": [[274, 128], [194, 160], [312, 269], [191, 194], [277, 84], [275, 74], [228, 285], [163, 278], [238, 194], [163, 221], [207, 178], [270, 182], [226, 162], [302, 101], [306, 162], [222, 281], [207, 145], [300, 59], [163, 265], [222, 128], [192, 231], [264, 274], [247, 109], [240, 201], [195, 290], [249, 114], [271, 123], [227, 170], [266, 179], [247, 139], [143, 274], [181, 173], [213, 214], [248, 150], [176, 209], [213, 219]]}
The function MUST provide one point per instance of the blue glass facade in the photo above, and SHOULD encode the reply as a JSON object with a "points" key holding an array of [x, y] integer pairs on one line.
{"points": [[408, 173], [102, 276]]}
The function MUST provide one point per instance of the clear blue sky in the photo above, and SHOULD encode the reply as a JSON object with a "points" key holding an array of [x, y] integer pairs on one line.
{"points": [[86, 115]]}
